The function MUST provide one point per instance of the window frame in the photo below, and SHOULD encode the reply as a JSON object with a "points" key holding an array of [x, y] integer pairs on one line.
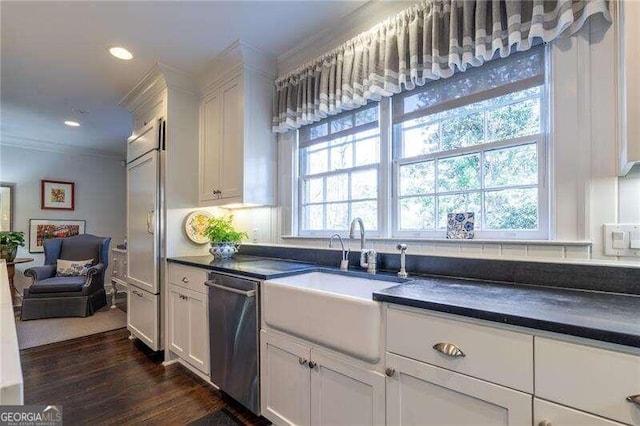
{"points": [[389, 167]]}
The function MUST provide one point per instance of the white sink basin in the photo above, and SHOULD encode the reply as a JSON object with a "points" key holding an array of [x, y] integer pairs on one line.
{"points": [[333, 310]]}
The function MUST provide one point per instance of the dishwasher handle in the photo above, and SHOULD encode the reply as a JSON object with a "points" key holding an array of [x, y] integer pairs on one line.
{"points": [[250, 293]]}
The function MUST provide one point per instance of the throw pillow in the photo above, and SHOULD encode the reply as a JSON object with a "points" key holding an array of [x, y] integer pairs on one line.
{"points": [[73, 268]]}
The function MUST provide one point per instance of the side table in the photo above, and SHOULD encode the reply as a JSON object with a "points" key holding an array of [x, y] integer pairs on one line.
{"points": [[11, 271]]}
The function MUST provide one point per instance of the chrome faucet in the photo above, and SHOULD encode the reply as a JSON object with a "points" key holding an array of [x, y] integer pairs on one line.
{"points": [[344, 263], [403, 271], [368, 257]]}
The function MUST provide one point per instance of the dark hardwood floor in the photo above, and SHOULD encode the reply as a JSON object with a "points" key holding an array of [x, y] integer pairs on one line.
{"points": [[108, 379]]}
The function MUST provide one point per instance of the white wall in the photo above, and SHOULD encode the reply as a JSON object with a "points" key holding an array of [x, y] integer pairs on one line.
{"points": [[99, 192], [586, 192]]}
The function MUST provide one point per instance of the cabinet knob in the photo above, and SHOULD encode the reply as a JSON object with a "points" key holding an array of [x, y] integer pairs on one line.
{"points": [[544, 423], [217, 192], [449, 349], [390, 372], [312, 365], [185, 280], [302, 361]]}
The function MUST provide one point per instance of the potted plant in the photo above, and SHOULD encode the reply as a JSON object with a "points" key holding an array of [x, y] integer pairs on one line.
{"points": [[223, 237], [9, 242]]}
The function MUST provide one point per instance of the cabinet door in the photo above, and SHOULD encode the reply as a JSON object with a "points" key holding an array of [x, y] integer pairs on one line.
{"points": [[178, 321], [422, 394], [231, 164], [285, 380], [210, 144], [198, 331], [142, 226], [343, 394], [547, 413], [142, 316]]}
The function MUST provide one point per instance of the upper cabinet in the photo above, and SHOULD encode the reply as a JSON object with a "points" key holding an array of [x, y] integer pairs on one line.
{"points": [[237, 147], [628, 33]]}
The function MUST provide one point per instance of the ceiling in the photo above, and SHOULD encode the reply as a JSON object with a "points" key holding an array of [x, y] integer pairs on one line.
{"points": [[54, 60]]}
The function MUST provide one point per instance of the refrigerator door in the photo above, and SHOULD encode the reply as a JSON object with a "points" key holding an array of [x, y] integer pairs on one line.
{"points": [[143, 320], [143, 141], [143, 230], [233, 330]]}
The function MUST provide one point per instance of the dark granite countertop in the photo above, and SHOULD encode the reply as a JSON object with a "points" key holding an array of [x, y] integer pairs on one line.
{"points": [[249, 266], [609, 317]]}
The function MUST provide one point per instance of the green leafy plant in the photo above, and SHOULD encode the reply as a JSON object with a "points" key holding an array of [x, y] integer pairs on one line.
{"points": [[12, 238], [221, 230]]}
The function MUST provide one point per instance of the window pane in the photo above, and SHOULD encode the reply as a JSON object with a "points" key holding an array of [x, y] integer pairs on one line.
{"points": [[460, 203], [342, 123], [368, 212], [417, 213], [364, 184], [418, 178], [318, 131], [511, 166], [515, 120], [317, 162], [313, 217], [367, 152], [315, 192], [418, 138], [342, 157], [337, 216], [338, 187], [369, 115], [512, 209], [459, 173], [463, 131]]}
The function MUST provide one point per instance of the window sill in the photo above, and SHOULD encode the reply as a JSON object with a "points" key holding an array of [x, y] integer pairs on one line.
{"points": [[574, 243]]}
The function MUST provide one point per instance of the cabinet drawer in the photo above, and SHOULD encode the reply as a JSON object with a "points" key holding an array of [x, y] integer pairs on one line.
{"points": [[545, 412], [594, 380], [499, 356], [188, 277]]}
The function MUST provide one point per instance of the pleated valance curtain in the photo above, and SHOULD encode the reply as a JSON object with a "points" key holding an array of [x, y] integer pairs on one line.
{"points": [[431, 40]]}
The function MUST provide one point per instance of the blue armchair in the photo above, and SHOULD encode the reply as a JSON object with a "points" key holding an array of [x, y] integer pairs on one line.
{"points": [[52, 296]]}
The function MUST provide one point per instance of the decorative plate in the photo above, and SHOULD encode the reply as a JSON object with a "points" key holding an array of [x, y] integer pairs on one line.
{"points": [[195, 224]]}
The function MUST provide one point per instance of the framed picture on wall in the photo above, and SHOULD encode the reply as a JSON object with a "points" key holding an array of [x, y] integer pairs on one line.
{"points": [[42, 229], [57, 195]]}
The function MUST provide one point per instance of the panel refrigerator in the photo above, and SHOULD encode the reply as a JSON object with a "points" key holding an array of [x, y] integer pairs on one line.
{"points": [[145, 216]]}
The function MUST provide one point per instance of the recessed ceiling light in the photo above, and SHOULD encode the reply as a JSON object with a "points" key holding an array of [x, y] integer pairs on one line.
{"points": [[120, 53], [72, 123]]}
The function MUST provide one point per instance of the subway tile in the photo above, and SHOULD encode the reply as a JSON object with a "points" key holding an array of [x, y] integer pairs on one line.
{"points": [[547, 252], [514, 250]]}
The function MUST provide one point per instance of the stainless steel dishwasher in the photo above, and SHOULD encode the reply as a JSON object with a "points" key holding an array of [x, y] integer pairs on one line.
{"points": [[233, 337]]}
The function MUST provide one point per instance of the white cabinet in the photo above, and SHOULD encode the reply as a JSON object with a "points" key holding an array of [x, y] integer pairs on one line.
{"points": [[142, 316], [422, 394], [304, 385], [550, 414], [188, 316], [237, 148]]}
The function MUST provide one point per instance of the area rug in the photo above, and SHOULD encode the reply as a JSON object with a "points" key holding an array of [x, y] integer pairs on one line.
{"points": [[50, 330]]}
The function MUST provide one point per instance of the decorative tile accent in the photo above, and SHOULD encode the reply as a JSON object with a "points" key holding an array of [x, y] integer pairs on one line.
{"points": [[460, 225]]}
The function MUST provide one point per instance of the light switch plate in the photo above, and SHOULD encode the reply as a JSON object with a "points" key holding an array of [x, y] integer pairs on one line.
{"points": [[622, 239]]}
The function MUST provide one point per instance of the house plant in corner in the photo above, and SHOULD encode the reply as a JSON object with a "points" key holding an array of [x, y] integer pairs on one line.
{"points": [[223, 237], [9, 242]]}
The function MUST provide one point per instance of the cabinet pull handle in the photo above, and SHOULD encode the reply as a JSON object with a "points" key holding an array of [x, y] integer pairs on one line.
{"points": [[634, 399], [390, 372], [136, 293], [185, 280], [312, 365], [150, 214], [449, 349], [302, 361], [544, 423]]}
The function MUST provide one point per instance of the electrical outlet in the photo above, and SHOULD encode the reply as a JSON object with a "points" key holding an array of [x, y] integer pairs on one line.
{"points": [[622, 239]]}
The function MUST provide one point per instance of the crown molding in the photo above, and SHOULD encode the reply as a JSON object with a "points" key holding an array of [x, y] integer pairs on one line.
{"points": [[48, 146]]}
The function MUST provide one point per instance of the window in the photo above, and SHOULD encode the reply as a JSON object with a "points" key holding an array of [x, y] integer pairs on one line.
{"points": [[475, 142], [339, 172]]}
